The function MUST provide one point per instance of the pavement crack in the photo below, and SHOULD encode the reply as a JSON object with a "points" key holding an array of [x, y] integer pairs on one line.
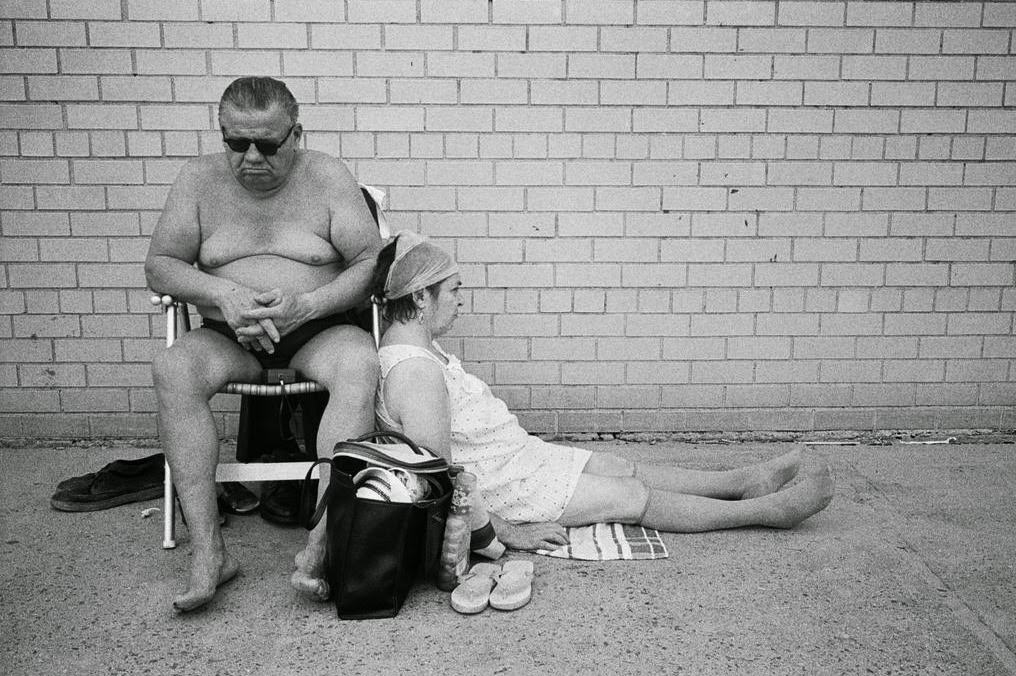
{"points": [[964, 613]]}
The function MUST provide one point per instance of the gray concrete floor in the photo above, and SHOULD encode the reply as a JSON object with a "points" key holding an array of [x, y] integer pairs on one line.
{"points": [[909, 571]]}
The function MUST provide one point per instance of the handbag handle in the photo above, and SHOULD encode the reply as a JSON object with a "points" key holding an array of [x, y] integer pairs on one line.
{"points": [[371, 436], [323, 503]]}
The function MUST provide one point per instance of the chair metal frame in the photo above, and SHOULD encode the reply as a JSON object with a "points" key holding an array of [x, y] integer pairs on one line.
{"points": [[178, 322]]}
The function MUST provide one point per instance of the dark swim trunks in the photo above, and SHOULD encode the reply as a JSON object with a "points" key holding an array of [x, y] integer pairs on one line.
{"points": [[290, 344]]}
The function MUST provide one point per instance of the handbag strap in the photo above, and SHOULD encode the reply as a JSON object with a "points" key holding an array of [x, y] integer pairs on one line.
{"points": [[305, 487], [371, 436]]}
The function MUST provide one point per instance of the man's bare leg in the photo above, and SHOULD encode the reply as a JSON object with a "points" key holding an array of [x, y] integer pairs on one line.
{"points": [[344, 360], [186, 376], [741, 483]]}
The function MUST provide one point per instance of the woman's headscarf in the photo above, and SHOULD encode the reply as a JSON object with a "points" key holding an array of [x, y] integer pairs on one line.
{"points": [[418, 264]]}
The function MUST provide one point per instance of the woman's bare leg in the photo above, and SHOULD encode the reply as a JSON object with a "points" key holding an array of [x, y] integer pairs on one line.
{"points": [[741, 483], [629, 500]]}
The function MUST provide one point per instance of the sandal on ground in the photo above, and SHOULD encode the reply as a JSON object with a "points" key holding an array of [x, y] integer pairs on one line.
{"points": [[514, 586], [471, 595]]}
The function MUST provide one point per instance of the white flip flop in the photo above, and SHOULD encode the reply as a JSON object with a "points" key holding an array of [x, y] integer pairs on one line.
{"points": [[514, 585]]}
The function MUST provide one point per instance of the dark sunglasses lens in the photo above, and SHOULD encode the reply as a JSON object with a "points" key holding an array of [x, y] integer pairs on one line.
{"points": [[240, 145], [267, 148], [237, 145]]}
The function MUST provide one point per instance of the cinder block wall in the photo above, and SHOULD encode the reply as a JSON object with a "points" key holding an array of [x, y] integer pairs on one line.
{"points": [[672, 216]]}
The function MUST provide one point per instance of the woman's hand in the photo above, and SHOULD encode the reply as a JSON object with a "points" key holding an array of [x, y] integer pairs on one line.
{"points": [[529, 536]]}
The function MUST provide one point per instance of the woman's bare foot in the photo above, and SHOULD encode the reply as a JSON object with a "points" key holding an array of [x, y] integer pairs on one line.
{"points": [[309, 576], [768, 477], [207, 574], [791, 506]]}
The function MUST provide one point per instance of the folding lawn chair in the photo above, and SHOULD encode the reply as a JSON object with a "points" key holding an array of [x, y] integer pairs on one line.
{"points": [[178, 322]]}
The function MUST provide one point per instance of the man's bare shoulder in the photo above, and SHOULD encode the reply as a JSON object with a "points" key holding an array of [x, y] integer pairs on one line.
{"points": [[324, 167], [203, 171]]}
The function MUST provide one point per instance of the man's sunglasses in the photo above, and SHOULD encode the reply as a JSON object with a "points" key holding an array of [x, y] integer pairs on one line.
{"points": [[266, 148]]}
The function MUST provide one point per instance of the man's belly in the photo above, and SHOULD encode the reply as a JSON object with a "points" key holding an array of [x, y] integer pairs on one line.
{"points": [[266, 272]]}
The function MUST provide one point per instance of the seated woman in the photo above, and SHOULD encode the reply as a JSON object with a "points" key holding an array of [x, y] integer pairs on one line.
{"points": [[533, 489]]}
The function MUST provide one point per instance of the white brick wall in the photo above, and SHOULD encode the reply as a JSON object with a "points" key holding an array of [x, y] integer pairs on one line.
{"points": [[673, 215]]}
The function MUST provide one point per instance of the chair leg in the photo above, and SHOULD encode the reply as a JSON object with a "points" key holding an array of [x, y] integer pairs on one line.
{"points": [[168, 512]]}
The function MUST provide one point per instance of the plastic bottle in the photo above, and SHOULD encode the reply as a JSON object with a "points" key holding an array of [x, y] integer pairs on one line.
{"points": [[455, 548], [483, 540]]}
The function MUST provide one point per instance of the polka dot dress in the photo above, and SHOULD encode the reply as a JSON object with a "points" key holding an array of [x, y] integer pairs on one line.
{"points": [[521, 477]]}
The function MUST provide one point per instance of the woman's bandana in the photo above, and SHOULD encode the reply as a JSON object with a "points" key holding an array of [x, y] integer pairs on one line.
{"points": [[418, 264]]}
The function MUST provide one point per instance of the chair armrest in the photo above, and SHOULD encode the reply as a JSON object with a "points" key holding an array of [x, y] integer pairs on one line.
{"points": [[177, 316]]}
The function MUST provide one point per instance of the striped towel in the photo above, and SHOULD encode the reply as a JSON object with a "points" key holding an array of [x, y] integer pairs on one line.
{"points": [[610, 542]]}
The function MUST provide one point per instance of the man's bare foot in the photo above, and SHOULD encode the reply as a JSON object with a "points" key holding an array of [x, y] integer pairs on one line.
{"points": [[768, 477], [309, 576], [207, 574], [791, 506]]}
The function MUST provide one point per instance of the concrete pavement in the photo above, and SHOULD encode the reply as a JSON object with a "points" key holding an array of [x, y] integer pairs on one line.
{"points": [[911, 570]]}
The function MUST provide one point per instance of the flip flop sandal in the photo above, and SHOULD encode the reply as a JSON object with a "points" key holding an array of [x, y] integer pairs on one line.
{"points": [[514, 586], [471, 596]]}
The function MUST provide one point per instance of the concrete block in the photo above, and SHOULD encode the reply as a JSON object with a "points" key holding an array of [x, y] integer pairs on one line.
{"points": [[52, 426], [550, 38], [738, 66], [741, 13], [118, 34], [592, 373], [657, 373], [87, 350], [811, 14], [789, 371], [671, 12], [907, 41], [93, 400], [133, 425], [757, 396], [633, 39], [799, 121], [828, 199], [453, 11], [230, 10], [721, 324], [28, 400], [628, 396], [71, 9], [841, 40], [977, 323], [976, 370], [835, 93], [786, 324], [526, 11]]}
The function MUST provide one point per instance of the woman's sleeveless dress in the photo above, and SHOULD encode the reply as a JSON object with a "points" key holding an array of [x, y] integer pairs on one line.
{"points": [[521, 478]]}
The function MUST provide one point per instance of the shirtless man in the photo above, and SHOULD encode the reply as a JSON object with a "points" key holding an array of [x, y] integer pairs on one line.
{"points": [[272, 244]]}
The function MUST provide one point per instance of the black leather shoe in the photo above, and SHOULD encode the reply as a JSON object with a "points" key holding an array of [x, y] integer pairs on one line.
{"points": [[280, 502]]}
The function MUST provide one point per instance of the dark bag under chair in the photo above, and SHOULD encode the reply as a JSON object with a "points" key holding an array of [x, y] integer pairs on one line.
{"points": [[376, 549], [279, 428]]}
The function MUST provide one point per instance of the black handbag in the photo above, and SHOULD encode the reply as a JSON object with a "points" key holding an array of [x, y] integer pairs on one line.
{"points": [[377, 550]]}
